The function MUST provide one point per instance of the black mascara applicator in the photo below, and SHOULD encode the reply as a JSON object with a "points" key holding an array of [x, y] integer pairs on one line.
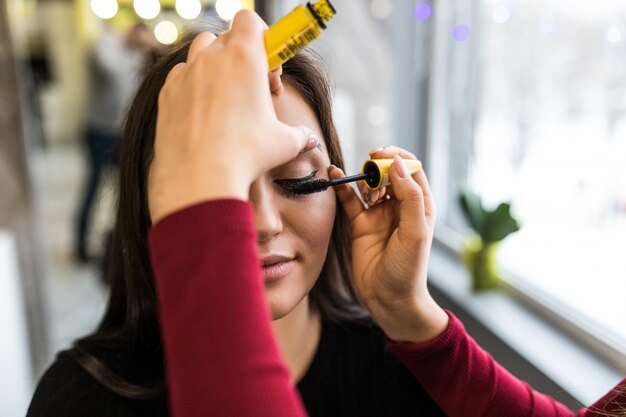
{"points": [[375, 174], [318, 185]]}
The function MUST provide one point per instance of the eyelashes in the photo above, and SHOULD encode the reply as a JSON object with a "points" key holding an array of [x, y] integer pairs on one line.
{"points": [[291, 186]]}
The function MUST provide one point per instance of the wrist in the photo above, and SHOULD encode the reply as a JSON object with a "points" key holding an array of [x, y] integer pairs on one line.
{"points": [[417, 322], [216, 179], [225, 191], [172, 196]]}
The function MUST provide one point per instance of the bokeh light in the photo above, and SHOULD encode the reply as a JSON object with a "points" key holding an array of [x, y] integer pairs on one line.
{"points": [[422, 11], [501, 14], [461, 33], [166, 32], [147, 9], [104, 9], [227, 9], [188, 9]]}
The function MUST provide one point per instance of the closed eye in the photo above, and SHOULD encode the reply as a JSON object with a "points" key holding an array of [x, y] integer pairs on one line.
{"points": [[289, 185], [288, 181]]}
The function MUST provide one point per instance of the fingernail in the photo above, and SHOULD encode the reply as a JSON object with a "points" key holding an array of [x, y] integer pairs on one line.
{"points": [[400, 167], [375, 150], [312, 142], [331, 166], [312, 139]]}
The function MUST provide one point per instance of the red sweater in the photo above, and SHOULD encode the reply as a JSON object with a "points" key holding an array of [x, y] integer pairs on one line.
{"points": [[216, 322]]}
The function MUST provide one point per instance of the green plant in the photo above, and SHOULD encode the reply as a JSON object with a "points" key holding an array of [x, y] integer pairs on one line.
{"points": [[490, 228]]}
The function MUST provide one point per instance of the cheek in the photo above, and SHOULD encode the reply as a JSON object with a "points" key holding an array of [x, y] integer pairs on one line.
{"points": [[312, 221]]}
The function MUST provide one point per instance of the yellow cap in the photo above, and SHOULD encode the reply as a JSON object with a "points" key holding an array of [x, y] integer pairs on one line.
{"points": [[324, 9], [378, 170]]}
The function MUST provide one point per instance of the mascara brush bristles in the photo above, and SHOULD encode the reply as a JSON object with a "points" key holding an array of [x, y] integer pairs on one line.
{"points": [[319, 185], [309, 187]]}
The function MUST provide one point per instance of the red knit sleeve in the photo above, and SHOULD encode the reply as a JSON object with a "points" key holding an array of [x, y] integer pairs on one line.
{"points": [[220, 354], [467, 382]]}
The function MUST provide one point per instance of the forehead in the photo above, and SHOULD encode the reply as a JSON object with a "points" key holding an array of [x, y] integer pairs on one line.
{"points": [[291, 109]]}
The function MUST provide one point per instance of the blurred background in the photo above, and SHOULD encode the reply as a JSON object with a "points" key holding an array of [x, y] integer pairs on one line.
{"points": [[518, 105]]}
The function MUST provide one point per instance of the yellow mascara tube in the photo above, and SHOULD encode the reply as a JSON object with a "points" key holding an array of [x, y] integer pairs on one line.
{"points": [[377, 171], [296, 30]]}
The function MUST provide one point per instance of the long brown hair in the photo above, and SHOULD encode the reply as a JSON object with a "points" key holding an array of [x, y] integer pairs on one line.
{"points": [[130, 326]]}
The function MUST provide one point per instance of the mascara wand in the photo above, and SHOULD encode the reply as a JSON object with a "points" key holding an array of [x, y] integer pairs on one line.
{"points": [[375, 174], [316, 186]]}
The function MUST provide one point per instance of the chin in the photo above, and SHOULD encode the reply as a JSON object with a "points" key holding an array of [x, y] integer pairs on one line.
{"points": [[278, 314], [282, 299]]}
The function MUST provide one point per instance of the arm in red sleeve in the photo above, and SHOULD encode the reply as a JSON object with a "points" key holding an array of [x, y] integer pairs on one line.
{"points": [[220, 354], [467, 382]]}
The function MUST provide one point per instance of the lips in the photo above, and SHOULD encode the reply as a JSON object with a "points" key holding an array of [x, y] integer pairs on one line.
{"points": [[276, 267]]}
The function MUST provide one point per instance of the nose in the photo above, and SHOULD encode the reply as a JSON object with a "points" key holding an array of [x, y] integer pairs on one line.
{"points": [[267, 214]]}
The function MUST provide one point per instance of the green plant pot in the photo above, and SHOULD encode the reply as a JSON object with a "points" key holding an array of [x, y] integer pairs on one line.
{"points": [[480, 260]]}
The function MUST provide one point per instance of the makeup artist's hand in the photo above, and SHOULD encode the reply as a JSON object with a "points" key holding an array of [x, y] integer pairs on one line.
{"points": [[276, 84], [391, 243], [216, 128]]}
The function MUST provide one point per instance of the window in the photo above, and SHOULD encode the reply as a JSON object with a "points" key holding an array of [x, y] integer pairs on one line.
{"points": [[518, 100], [528, 105]]}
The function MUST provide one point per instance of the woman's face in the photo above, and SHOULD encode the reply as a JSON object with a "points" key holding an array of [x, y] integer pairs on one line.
{"points": [[293, 230]]}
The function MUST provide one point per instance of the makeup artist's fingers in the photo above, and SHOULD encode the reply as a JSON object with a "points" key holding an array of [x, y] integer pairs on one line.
{"points": [[371, 197], [422, 180], [346, 195], [313, 140], [276, 84], [364, 192], [419, 176], [200, 43], [389, 192], [390, 152], [374, 196], [382, 194], [412, 223], [247, 27], [173, 74], [429, 201], [287, 142]]}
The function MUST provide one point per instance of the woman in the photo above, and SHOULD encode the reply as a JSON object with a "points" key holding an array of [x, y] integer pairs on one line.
{"points": [[334, 353]]}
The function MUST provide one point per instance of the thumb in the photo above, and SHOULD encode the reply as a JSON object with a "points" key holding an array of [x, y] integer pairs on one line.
{"points": [[412, 224], [288, 142], [346, 195]]}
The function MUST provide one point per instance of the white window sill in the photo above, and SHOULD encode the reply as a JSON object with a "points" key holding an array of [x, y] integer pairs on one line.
{"points": [[561, 360]]}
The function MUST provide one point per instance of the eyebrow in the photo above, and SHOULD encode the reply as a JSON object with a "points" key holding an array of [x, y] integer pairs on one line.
{"points": [[307, 155]]}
